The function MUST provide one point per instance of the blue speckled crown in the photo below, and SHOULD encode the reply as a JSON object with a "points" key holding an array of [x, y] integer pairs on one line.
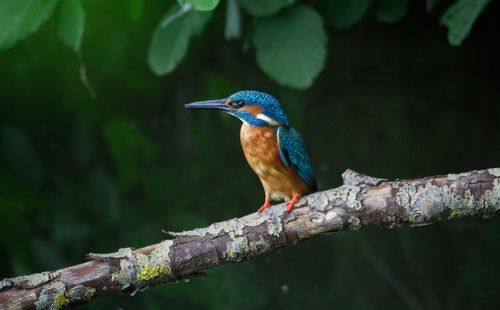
{"points": [[270, 106]]}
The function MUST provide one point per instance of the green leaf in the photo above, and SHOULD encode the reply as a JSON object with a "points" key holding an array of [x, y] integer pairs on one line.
{"points": [[343, 14], [171, 37], [19, 18], [291, 46], [201, 5], [390, 11], [460, 17], [261, 8], [71, 23]]}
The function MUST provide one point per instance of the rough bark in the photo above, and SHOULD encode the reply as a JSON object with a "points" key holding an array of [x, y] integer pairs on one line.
{"points": [[360, 201]]}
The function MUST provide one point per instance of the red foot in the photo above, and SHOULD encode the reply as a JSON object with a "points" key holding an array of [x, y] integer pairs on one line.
{"points": [[292, 203], [267, 204]]}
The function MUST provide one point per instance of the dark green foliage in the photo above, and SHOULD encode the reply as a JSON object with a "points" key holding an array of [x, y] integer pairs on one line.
{"points": [[393, 100], [171, 37], [130, 148], [20, 18], [20, 155], [201, 5], [136, 9], [291, 46], [391, 11], [260, 8], [233, 20], [71, 23], [343, 14], [460, 17]]}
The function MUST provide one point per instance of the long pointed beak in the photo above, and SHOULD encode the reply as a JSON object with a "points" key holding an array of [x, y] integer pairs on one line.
{"points": [[217, 104]]}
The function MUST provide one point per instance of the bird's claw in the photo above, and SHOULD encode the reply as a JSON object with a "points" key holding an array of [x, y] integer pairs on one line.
{"points": [[266, 205], [292, 203]]}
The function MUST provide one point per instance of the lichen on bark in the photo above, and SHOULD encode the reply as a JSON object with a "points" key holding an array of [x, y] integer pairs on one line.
{"points": [[362, 201]]}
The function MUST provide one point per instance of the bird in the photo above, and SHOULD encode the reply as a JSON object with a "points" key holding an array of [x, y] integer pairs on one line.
{"points": [[275, 151]]}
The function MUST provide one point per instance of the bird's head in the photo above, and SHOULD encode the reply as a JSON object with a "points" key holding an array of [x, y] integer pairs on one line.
{"points": [[252, 107]]}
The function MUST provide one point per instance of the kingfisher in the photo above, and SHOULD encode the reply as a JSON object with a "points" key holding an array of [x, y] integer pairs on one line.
{"points": [[274, 150]]}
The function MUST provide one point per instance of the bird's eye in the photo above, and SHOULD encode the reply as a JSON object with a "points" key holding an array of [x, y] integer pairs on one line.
{"points": [[237, 104]]}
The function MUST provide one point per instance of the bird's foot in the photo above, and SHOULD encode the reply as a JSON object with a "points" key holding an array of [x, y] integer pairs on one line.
{"points": [[267, 204], [292, 203]]}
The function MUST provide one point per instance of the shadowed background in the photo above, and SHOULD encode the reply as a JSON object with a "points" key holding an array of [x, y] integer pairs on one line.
{"points": [[79, 174]]}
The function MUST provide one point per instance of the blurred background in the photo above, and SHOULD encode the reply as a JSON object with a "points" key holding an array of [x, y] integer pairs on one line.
{"points": [[83, 172]]}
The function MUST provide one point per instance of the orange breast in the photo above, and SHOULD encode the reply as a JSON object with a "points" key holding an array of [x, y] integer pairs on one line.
{"points": [[260, 146]]}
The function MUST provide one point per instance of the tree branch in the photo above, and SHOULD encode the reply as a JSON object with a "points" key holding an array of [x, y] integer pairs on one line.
{"points": [[361, 201]]}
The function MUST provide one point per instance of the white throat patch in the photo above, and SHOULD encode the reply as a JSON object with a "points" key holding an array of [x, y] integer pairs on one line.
{"points": [[268, 120]]}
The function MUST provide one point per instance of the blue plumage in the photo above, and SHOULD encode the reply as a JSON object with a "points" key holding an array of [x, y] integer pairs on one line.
{"points": [[274, 150], [293, 153], [291, 145]]}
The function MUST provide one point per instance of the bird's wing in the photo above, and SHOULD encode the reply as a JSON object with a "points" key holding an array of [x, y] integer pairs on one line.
{"points": [[294, 154]]}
